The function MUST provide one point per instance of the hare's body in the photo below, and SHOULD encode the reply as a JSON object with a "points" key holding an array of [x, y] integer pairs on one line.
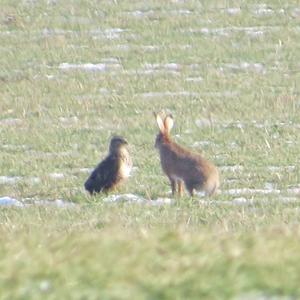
{"points": [[183, 166], [180, 164]]}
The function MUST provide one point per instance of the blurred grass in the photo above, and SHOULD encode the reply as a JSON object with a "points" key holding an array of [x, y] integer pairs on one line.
{"points": [[124, 252]]}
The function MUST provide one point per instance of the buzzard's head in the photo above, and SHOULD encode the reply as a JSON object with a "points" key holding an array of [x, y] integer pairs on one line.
{"points": [[116, 143]]}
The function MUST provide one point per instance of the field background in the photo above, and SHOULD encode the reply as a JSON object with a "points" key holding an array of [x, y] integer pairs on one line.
{"points": [[73, 73]]}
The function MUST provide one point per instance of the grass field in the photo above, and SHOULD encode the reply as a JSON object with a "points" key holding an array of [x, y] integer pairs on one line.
{"points": [[73, 73]]}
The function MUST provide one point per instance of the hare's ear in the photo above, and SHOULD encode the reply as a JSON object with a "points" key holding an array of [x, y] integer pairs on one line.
{"points": [[169, 122], [159, 122]]}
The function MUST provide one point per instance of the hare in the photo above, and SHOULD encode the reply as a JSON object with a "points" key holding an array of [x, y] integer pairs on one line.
{"points": [[114, 169], [183, 166]]}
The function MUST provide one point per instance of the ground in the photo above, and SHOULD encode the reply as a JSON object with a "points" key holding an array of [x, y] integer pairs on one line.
{"points": [[73, 73]]}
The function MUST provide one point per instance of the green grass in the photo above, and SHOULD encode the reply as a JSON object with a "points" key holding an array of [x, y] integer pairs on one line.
{"points": [[60, 121]]}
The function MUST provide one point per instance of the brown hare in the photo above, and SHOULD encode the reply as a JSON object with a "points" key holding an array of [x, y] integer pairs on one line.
{"points": [[112, 170], [183, 166]]}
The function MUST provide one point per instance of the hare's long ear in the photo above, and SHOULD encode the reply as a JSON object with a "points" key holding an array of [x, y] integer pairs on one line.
{"points": [[169, 122], [159, 122]]}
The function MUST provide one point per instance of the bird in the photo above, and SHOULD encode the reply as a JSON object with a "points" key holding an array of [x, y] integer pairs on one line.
{"points": [[111, 171]]}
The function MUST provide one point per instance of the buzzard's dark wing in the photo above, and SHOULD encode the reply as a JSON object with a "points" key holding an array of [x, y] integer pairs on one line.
{"points": [[104, 176]]}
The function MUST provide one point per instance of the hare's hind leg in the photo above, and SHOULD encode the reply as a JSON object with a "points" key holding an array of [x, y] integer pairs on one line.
{"points": [[211, 187], [211, 191]]}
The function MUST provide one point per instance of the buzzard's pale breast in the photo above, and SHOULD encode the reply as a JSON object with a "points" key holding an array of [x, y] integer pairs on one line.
{"points": [[125, 164]]}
